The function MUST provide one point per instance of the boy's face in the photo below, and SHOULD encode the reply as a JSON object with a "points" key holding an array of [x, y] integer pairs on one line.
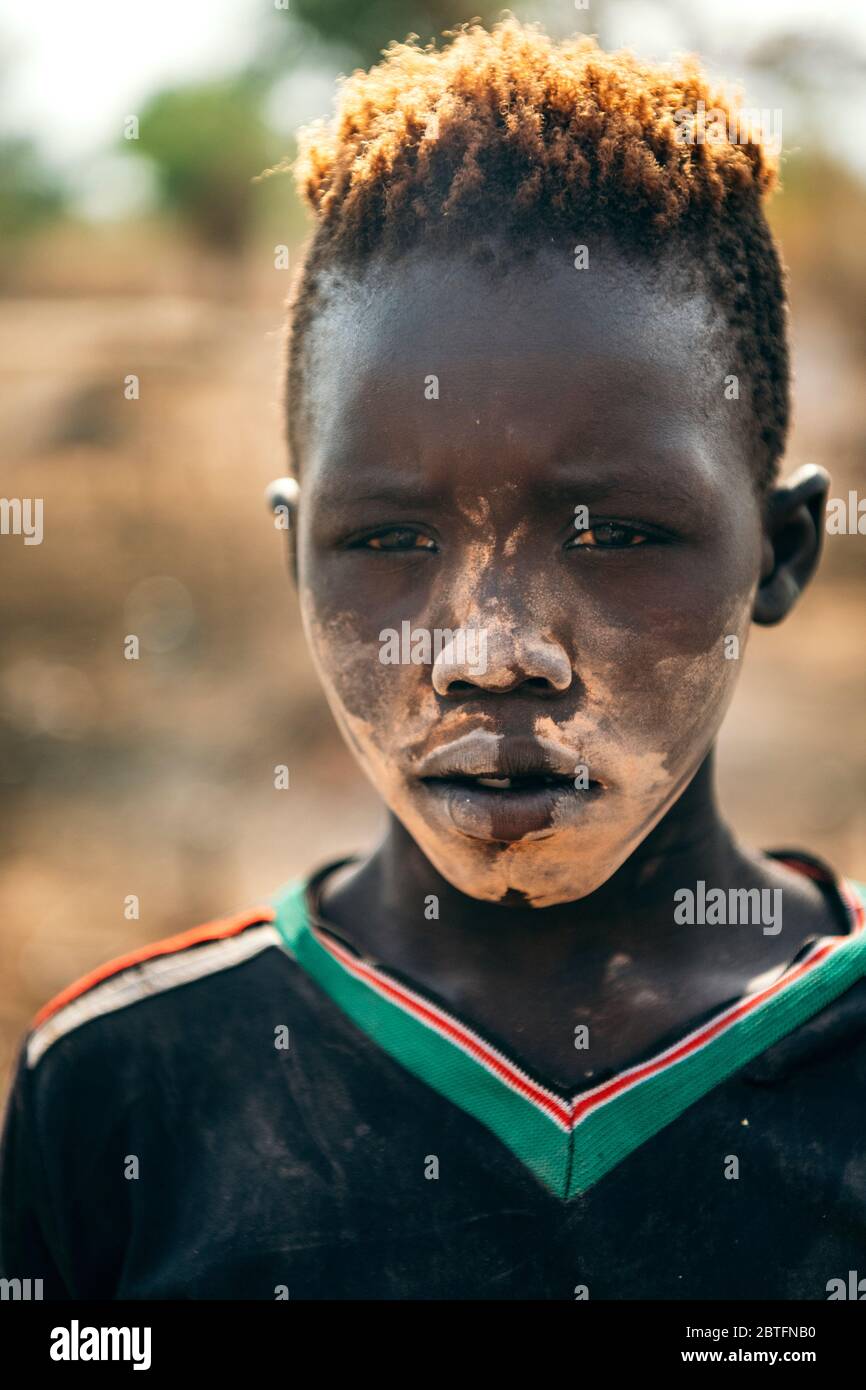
{"points": [[456, 422]]}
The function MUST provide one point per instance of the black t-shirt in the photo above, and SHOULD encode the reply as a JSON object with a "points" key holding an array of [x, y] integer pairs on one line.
{"points": [[252, 1110]]}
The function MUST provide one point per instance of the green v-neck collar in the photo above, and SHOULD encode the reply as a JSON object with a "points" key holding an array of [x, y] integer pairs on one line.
{"points": [[569, 1141]]}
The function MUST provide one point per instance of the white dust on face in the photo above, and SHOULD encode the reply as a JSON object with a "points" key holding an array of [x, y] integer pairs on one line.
{"points": [[644, 746]]}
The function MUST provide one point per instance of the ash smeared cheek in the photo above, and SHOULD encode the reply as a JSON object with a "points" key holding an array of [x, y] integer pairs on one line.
{"points": [[349, 667], [380, 708], [699, 688], [644, 723], [345, 666], [661, 686], [624, 732]]}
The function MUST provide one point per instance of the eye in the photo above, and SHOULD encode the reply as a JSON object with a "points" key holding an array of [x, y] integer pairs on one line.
{"points": [[398, 538], [607, 535]]}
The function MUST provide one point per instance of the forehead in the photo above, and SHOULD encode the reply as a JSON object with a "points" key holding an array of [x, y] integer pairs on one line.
{"points": [[434, 365]]}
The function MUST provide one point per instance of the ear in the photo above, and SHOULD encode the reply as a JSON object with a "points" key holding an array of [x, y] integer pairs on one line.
{"points": [[282, 497], [793, 536]]}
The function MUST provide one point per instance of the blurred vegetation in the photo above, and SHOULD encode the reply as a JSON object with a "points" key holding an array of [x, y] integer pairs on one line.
{"points": [[29, 194], [206, 143], [368, 28]]}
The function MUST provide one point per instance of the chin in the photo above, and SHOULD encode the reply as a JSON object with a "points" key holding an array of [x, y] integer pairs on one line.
{"points": [[537, 873]]}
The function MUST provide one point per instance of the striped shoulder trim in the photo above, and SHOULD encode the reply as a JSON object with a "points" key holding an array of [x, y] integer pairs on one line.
{"points": [[149, 970]]}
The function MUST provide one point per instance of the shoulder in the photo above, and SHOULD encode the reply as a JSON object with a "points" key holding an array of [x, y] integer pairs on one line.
{"points": [[152, 988], [831, 1036], [131, 1060]]}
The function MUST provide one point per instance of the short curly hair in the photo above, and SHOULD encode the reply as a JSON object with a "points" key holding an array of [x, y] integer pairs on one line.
{"points": [[507, 137]]}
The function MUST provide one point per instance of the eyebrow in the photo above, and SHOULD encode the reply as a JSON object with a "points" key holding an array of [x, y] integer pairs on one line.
{"points": [[674, 474], [589, 488], [399, 492], [550, 497], [657, 478]]}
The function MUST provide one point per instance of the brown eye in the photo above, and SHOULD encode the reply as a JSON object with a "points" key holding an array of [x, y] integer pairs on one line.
{"points": [[399, 538], [608, 535]]}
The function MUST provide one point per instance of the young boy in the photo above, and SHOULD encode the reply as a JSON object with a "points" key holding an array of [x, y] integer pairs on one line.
{"points": [[560, 1035]]}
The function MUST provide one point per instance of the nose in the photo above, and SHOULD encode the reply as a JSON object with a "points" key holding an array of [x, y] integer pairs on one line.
{"points": [[498, 658]]}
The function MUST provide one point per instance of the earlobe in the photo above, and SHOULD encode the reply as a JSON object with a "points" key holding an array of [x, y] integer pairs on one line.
{"points": [[793, 536], [282, 497]]}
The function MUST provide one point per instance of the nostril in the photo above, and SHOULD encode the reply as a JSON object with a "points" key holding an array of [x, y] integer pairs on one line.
{"points": [[535, 684], [539, 669]]}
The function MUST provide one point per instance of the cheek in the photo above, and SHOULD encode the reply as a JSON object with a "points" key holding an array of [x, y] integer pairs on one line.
{"points": [[695, 649], [376, 704], [657, 683]]}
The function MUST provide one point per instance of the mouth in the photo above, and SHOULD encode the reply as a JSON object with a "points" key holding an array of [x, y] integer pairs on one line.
{"points": [[502, 788], [519, 783]]}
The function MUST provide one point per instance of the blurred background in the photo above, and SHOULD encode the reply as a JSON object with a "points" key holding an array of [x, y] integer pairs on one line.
{"points": [[135, 242]]}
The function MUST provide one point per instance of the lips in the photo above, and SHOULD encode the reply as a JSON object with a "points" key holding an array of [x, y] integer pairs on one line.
{"points": [[505, 789], [523, 783]]}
